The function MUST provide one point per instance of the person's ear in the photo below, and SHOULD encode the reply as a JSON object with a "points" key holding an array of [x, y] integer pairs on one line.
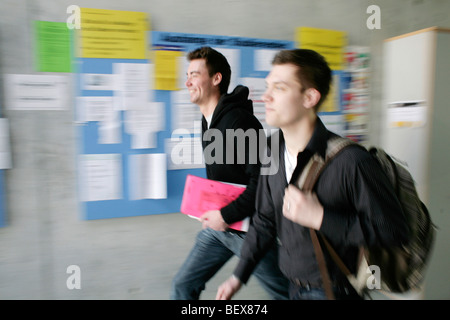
{"points": [[217, 78], [311, 98]]}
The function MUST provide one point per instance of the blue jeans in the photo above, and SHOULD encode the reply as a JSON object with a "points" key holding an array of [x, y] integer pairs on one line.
{"points": [[341, 292], [211, 251]]}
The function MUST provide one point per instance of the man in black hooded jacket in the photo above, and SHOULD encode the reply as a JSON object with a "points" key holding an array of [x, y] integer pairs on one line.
{"points": [[227, 121]]}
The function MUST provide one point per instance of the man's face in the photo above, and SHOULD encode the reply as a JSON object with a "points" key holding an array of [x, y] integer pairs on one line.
{"points": [[199, 83], [283, 97]]}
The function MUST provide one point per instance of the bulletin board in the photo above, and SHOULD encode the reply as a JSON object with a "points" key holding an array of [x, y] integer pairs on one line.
{"points": [[125, 168]]}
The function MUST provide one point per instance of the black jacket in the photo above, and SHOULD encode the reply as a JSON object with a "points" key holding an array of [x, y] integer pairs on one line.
{"points": [[360, 207], [230, 159]]}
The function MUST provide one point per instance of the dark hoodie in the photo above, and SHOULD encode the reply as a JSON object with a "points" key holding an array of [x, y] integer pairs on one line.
{"points": [[234, 111]]}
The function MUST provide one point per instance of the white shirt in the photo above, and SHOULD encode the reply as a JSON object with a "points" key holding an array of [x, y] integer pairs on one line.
{"points": [[290, 164], [208, 120]]}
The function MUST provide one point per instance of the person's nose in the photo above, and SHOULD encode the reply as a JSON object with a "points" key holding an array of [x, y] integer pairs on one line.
{"points": [[267, 96]]}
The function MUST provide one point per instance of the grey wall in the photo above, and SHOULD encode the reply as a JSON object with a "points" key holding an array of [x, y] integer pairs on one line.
{"points": [[136, 258]]}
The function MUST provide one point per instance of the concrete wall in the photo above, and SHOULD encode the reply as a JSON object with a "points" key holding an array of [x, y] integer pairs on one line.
{"points": [[136, 258]]}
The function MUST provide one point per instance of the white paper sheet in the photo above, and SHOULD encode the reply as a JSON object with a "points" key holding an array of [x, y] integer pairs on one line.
{"points": [[92, 81], [37, 92], [142, 124], [407, 114], [134, 82], [100, 177], [5, 146], [101, 109], [148, 176]]}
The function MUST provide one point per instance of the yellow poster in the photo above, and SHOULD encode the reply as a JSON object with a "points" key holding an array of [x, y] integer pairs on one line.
{"points": [[331, 103], [329, 43], [113, 34], [167, 69]]}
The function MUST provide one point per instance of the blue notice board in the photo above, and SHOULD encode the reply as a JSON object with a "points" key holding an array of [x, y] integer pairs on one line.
{"points": [[250, 61]]}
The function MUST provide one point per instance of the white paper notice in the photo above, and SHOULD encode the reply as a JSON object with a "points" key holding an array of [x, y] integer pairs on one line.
{"points": [[148, 176], [36, 92], [94, 108], [133, 85], [407, 114], [5, 147], [142, 124], [101, 109], [109, 130], [100, 177], [91, 81]]}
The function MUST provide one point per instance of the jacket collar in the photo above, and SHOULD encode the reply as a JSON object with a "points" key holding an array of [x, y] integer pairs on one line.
{"points": [[318, 142]]}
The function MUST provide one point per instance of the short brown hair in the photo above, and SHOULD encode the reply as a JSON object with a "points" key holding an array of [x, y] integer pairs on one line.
{"points": [[215, 62], [313, 70]]}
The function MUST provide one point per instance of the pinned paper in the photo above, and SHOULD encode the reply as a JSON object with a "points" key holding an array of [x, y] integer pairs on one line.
{"points": [[331, 103], [5, 146], [100, 177], [52, 47], [405, 114], [36, 92], [329, 43], [167, 69], [148, 176], [133, 84], [101, 110], [113, 34], [142, 124], [93, 81]]}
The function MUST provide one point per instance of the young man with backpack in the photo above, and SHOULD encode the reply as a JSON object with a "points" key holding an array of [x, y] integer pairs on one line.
{"points": [[208, 78], [352, 204]]}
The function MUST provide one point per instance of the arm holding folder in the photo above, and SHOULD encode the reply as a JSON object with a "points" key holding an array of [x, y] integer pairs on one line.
{"points": [[203, 195]]}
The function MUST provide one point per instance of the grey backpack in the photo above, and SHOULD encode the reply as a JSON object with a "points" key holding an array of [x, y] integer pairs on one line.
{"points": [[402, 269]]}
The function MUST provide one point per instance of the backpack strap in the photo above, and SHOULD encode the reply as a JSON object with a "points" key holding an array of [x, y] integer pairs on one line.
{"points": [[327, 286], [306, 182], [317, 164]]}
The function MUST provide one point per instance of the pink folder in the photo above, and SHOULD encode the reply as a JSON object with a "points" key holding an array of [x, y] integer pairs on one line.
{"points": [[201, 195]]}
